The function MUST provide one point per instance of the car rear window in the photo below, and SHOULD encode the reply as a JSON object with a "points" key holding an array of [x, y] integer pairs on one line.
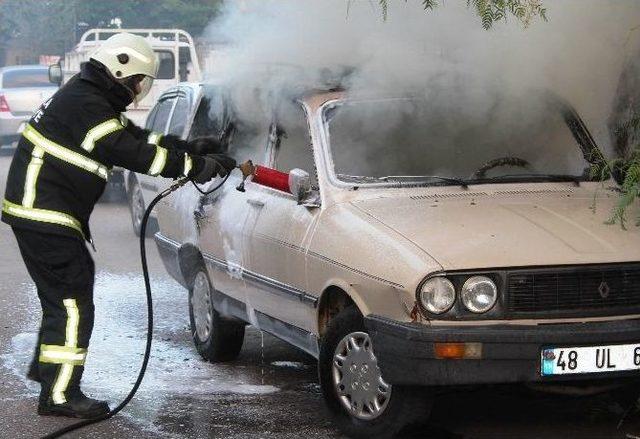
{"points": [[26, 78], [180, 115], [162, 115]]}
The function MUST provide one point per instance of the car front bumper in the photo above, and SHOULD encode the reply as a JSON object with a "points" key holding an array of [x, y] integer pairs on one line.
{"points": [[510, 353]]}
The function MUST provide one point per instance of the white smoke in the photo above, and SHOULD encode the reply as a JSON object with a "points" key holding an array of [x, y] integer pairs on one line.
{"points": [[288, 46]]}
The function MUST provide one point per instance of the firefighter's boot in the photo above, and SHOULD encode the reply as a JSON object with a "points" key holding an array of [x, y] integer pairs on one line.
{"points": [[77, 406]]}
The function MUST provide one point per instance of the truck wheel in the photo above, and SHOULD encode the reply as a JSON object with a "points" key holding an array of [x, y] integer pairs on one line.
{"points": [[361, 403], [216, 339]]}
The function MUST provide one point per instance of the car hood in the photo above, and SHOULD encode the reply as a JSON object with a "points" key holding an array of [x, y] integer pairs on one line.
{"points": [[486, 231]]}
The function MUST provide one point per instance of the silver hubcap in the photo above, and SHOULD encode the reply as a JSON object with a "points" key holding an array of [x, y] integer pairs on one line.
{"points": [[201, 306], [357, 378], [137, 204]]}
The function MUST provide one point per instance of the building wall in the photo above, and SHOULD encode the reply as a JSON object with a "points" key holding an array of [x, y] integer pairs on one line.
{"points": [[17, 56]]}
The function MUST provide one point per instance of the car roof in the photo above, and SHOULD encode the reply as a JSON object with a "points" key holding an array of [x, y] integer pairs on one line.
{"points": [[317, 98], [176, 88]]}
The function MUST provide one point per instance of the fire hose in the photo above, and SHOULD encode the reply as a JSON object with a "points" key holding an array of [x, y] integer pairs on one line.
{"points": [[247, 169]]}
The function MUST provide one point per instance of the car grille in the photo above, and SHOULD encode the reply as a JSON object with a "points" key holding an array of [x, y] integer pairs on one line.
{"points": [[592, 290]]}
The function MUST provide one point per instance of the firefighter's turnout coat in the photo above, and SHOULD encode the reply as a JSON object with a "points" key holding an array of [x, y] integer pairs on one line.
{"points": [[63, 158], [58, 173]]}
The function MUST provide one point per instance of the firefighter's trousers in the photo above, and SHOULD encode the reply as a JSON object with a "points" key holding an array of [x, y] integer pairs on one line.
{"points": [[63, 272]]}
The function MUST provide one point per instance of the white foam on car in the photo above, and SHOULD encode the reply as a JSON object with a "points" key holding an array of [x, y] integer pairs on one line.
{"points": [[232, 221], [185, 201]]}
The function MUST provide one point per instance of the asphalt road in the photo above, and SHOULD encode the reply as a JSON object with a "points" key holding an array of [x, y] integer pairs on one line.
{"points": [[269, 391]]}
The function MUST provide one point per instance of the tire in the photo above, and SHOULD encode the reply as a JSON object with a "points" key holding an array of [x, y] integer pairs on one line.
{"points": [[398, 406], [137, 208], [216, 339]]}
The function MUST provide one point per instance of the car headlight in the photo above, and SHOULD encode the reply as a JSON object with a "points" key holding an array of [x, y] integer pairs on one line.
{"points": [[479, 294], [438, 295]]}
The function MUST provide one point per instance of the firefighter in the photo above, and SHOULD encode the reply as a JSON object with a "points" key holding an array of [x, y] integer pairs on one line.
{"points": [[57, 175]]}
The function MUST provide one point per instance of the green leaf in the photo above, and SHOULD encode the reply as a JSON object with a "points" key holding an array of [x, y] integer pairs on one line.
{"points": [[385, 9], [543, 13], [429, 4]]}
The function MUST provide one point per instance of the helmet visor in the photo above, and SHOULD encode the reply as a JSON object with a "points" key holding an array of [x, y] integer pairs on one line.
{"points": [[145, 87]]}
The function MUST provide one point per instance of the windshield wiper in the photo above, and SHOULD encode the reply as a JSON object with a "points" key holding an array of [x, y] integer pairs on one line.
{"points": [[544, 177], [416, 179], [402, 179], [356, 178], [421, 178]]}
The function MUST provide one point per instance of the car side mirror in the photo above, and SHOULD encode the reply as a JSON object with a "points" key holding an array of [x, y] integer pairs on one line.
{"points": [[300, 187], [299, 183], [55, 74]]}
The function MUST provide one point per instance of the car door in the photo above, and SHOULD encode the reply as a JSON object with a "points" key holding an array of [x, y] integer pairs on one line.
{"points": [[221, 216], [279, 229]]}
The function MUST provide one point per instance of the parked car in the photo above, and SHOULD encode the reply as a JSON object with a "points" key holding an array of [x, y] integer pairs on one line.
{"points": [[141, 188], [411, 243], [22, 90], [189, 110]]}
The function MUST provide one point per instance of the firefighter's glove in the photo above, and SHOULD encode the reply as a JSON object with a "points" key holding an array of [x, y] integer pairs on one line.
{"points": [[212, 166], [205, 146], [225, 162]]}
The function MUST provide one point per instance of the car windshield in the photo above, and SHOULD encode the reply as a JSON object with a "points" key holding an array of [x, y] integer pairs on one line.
{"points": [[453, 139], [26, 78]]}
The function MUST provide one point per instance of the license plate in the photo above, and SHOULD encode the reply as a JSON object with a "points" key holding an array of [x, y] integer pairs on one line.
{"points": [[591, 359]]}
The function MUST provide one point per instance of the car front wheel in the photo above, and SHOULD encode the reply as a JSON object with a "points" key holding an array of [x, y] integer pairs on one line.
{"points": [[361, 402], [216, 338]]}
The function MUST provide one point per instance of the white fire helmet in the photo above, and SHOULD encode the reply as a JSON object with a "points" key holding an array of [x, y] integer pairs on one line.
{"points": [[126, 55]]}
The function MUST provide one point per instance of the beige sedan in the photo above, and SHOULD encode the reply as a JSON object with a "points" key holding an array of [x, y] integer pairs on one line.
{"points": [[409, 243]]}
